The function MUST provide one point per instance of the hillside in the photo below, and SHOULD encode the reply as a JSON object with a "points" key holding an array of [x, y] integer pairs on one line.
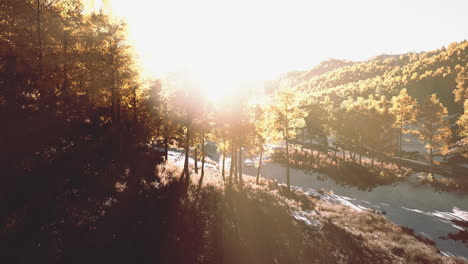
{"points": [[324, 67], [297, 77], [421, 73], [165, 221]]}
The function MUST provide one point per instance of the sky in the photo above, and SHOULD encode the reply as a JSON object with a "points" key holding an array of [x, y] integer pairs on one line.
{"points": [[261, 39]]}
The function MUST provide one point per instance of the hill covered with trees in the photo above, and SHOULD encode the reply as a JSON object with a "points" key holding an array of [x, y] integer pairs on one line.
{"points": [[442, 72], [439, 71]]}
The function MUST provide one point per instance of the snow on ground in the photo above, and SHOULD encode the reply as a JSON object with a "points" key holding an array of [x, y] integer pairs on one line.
{"points": [[304, 217]]}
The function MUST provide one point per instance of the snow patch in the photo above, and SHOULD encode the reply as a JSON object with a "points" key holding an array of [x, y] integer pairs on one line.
{"points": [[304, 217]]}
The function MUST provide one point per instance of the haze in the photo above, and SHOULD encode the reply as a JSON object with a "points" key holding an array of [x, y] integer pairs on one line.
{"points": [[257, 40]]}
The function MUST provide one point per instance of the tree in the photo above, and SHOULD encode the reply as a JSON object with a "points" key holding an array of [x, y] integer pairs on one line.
{"points": [[288, 115], [70, 91], [184, 107], [461, 147], [434, 126], [380, 132], [355, 124], [263, 136], [335, 122], [461, 90], [317, 122], [159, 115], [221, 135], [403, 108], [205, 124]]}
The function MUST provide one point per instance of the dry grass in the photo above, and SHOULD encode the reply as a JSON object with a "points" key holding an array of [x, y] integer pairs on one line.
{"points": [[362, 175], [255, 225], [444, 184], [164, 220]]}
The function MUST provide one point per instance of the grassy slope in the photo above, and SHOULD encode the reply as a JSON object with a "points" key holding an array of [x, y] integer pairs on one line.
{"points": [[164, 221], [253, 224]]}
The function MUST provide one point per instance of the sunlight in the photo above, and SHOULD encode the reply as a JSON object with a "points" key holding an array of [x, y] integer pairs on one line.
{"points": [[207, 35], [214, 94], [216, 84], [233, 131]]}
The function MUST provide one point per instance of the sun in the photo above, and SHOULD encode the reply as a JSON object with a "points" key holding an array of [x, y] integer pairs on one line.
{"points": [[216, 90]]}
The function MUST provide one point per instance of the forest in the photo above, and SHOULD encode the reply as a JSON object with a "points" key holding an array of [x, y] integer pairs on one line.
{"points": [[87, 149]]}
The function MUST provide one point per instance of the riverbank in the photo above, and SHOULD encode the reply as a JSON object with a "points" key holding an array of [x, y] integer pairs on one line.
{"points": [[367, 173], [364, 174]]}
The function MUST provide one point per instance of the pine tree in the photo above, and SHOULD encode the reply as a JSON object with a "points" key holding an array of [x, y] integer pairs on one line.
{"points": [[317, 122], [461, 147], [263, 136], [434, 126], [403, 108], [462, 85], [287, 115]]}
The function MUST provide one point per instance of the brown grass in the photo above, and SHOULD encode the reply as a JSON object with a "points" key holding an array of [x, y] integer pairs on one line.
{"points": [[164, 220], [253, 224], [364, 175], [444, 184]]}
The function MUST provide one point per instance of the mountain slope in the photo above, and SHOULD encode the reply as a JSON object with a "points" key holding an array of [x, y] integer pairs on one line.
{"points": [[421, 73]]}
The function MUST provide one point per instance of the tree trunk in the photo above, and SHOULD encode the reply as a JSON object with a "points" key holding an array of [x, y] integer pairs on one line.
{"points": [[318, 157], [311, 142], [187, 149], [115, 107], [202, 175], [134, 106], [234, 162], [240, 163], [312, 161], [303, 139], [195, 158], [431, 160], [65, 67], [231, 167], [39, 38], [224, 161], [166, 148], [259, 164], [399, 146], [203, 156], [382, 162], [325, 143], [360, 150], [287, 165]]}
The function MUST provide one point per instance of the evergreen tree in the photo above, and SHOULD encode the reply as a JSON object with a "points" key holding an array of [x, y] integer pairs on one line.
{"points": [[434, 127], [461, 90], [461, 147], [287, 115], [403, 108], [263, 137]]}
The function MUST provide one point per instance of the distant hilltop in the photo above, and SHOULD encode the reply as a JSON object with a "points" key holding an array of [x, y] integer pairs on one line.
{"points": [[440, 71], [383, 57]]}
